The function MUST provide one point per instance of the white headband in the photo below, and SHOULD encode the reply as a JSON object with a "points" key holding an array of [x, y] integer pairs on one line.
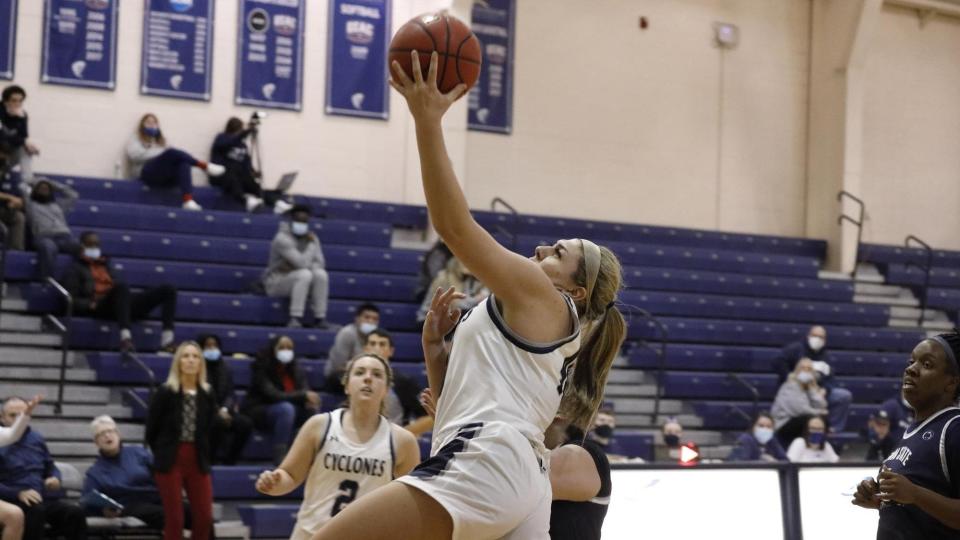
{"points": [[591, 258]]}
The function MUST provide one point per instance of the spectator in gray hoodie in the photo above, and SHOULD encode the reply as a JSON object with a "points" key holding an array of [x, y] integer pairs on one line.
{"points": [[296, 269], [799, 399], [47, 203]]}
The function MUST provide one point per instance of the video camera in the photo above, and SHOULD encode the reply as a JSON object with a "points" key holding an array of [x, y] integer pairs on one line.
{"points": [[256, 117]]}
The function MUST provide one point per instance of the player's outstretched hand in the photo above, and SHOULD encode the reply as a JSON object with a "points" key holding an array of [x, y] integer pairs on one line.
{"points": [[867, 495], [424, 99], [895, 487], [443, 315], [267, 481]]}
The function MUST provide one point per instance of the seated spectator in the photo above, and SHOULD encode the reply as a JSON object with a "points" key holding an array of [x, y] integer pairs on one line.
{"points": [[152, 162], [880, 437], [47, 203], [812, 446], [759, 444], [122, 473], [229, 423], [96, 292], [240, 182], [297, 269], [455, 275], [434, 260], [13, 218], [10, 435], [15, 133], [798, 398], [279, 399], [900, 413], [602, 433], [672, 432], [348, 343], [402, 404], [814, 347], [30, 480]]}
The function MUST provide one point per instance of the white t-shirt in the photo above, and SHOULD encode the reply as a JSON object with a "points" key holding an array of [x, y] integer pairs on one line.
{"points": [[799, 452]]}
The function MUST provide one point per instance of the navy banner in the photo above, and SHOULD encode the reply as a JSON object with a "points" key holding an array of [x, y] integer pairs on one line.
{"points": [[8, 43], [177, 48], [270, 53], [491, 99], [80, 43], [357, 58]]}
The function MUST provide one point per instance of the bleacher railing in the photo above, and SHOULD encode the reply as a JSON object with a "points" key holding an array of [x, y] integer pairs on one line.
{"points": [[924, 267], [858, 223], [660, 350], [510, 233], [737, 378], [63, 328], [3, 265], [131, 357]]}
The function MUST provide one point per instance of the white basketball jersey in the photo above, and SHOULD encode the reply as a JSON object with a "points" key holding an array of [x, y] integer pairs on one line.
{"points": [[343, 471], [494, 375]]}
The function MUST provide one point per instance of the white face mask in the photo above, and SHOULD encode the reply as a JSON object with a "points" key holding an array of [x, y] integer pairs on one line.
{"points": [[299, 228], [816, 343], [805, 377], [285, 356], [91, 253], [366, 328], [762, 434]]}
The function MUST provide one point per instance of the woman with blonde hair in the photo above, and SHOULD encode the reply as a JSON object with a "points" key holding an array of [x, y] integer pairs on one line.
{"points": [[179, 424], [455, 275]]}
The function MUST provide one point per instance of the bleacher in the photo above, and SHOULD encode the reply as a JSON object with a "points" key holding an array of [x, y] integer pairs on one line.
{"points": [[728, 302]]}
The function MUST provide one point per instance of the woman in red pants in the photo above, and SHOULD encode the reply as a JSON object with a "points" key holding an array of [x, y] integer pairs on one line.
{"points": [[179, 424]]}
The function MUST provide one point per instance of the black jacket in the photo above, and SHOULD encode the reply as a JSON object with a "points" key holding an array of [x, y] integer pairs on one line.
{"points": [[231, 148], [163, 427], [266, 387], [78, 281], [220, 377], [13, 129]]}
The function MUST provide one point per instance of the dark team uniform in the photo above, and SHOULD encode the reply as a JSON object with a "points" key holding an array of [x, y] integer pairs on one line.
{"points": [[929, 456], [583, 520]]}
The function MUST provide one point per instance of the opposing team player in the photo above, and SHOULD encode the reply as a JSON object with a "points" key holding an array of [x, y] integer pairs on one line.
{"points": [[511, 359], [346, 453], [918, 493]]}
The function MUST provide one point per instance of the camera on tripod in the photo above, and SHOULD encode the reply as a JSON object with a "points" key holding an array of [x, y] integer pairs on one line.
{"points": [[256, 117]]}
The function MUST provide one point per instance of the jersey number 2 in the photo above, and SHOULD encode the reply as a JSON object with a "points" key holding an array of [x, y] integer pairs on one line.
{"points": [[348, 492]]}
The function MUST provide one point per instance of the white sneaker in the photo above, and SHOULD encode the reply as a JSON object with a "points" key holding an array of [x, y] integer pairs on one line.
{"points": [[281, 207], [191, 205], [215, 170], [253, 203]]}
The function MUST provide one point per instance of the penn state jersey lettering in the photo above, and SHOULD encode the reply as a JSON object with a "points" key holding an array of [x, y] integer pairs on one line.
{"points": [[928, 456], [344, 470]]}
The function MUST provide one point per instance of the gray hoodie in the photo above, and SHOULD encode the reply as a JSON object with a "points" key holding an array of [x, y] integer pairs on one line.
{"points": [[139, 153], [50, 218], [793, 401], [289, 252]]}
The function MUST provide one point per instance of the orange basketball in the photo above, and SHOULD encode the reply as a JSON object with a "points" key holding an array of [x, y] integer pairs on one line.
{"points": [[458, 49]]}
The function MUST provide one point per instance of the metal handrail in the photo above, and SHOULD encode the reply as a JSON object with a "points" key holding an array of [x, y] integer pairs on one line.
{"points": [[133, 395], [858, 223], [64, 330], [3, 263], [660, 351], [925, 268], [512, 234], [750, 419], [130, 356], [751, 388]]}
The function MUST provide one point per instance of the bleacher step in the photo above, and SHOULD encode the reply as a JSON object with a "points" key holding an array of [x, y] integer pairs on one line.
{"points": [[632, 405], [72, 393], [829, 274], [61, 450], [641, 421], [630, 390], [79, 430], [699, 437], [879, 289], [86, 412], [36, 357], [31, 339], [231, 529], [927, 325], [14, 304], [38, 374], [885, 300], [902, 312], [15, 322], [626, 376]]}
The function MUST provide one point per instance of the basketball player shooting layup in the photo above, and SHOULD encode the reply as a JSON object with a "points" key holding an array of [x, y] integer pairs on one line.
{"points": [[512, 358], [347, 453], [918, 493]]}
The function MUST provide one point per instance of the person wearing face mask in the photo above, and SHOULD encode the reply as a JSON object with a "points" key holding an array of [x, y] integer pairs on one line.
{"points": [[880, 437], [759, 444], [98, 293], [812, 446], [150, 160], [230, 428], [14, 132], [349, 342], [814, 347], [798, 398], [297, 269], [672, 433], [279, 399], [46, 203], [604, 425]]}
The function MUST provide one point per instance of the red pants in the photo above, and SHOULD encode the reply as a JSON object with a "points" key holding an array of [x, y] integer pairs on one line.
{"points": [[185, 473]]}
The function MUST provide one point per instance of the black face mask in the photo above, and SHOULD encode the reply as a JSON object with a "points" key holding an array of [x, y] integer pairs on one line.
{"points": [[603, 431], [672, 440]]}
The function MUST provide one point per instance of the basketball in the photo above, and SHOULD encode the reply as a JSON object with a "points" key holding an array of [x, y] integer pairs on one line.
{"points": [[458, 49]]}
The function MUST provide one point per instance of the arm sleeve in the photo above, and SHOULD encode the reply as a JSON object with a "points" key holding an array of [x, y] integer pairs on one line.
{"points": [[154, 416], [318, 258], [67, 197], [775, 450], [8, 493], [272, 394], [741, 450], [73, 283], [831, 454], [339, 353], [13, 433], [291, 254], [796, 449], [49, 467], [90, 482]]}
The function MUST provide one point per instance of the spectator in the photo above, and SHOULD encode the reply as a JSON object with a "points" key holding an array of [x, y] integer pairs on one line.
{"points": [[30, 480], [602, 433], [12, 216], [98, 293], [434, 260], [296, 269], [240, 182], [814, 347], [15, 134], [759, 444], [10, 435], [880, 437], [122, 473], [672, 433], [179, 423], [455, 275], [279, 398], [402, 404], [229, 423], [798, 398], [900, 413], [348, 344], [46, 214], [149, 160], [813, 446]]}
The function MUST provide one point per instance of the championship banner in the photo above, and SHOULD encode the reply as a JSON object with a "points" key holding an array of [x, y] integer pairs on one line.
{"points": [[8, 44], [270, 53], [357, 58], [177, 54], [491, 99], [80, 43]]}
